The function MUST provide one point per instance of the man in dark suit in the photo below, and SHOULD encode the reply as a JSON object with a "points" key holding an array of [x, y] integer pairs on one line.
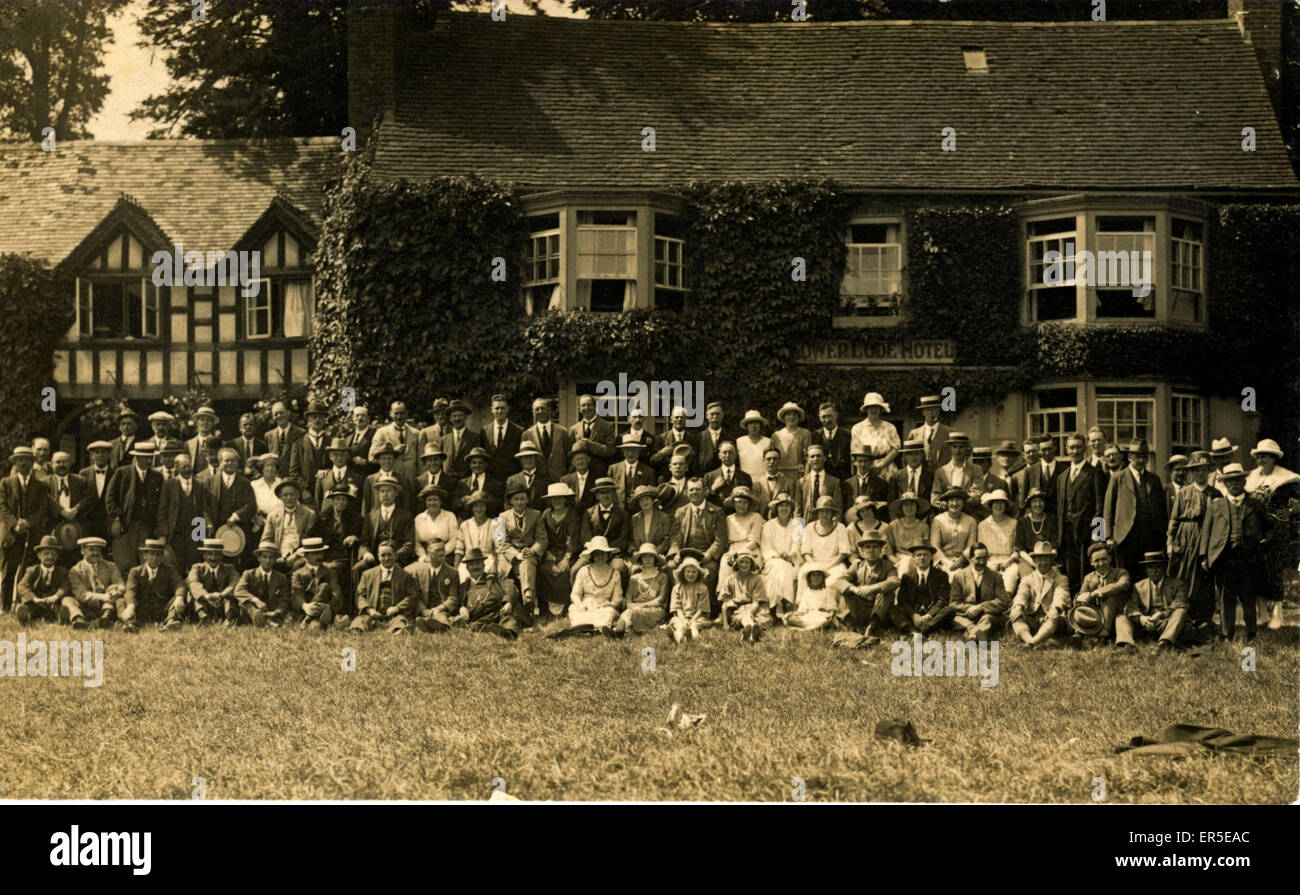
{"points": [[125, 441], [1051, 465], [343, 530], [598, 433], [70, 498], [1077, 504], [700, 526], [479, 480], [459, 440], [913, 475], [1234, 536], [817, 482], [719, 483], [386, 455], [339, 474], [132, 504], [249, 443], [552, 439], [1135, 511], [230, 499], [1031, 476], [181, 501], [609, 520], [386, 595], [432, 472], [501, 439], [280, 439], [863, 480], [96, 477], [44, 586], [711, 436], [677, 434], [767, 487], [360, 439], [263, 593], [924, 590], [530, 478], [307, 457], [583, 475], [388, 522], [834, 440], [932, 434], [155, 592], [209, 462], [24, 519], [631, 472], [205, 425]]}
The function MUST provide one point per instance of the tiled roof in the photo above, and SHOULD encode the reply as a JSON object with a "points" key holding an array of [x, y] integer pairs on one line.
{"points": [[552, 102], [203, 193]]}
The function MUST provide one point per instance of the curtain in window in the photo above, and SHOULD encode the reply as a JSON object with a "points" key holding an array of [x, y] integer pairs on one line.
{"points": [[297, 309]]}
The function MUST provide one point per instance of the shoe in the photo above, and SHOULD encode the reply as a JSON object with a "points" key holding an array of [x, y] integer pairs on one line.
{"points": [[228, 623], [1250, 635], [79, 624], [747, 634], [106, 621], [1125, 646], [130, 628], [1275, 620], [1164, 646], [1076, 641], [755, 634], [24, 614], [171, 625]]}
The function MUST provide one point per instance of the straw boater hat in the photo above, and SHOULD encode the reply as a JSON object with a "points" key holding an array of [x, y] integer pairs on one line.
{"points": [[386, 480], [1232, 471], [267, 547], [161, 416], [896, 506], [913, 446], [929, 401], [649, 491], [431, 490], [874, 399], [955, 437], [212, 545], [559, 490], [143, 449], [313, 545], [21, 450], [1199, 460], [205, 411], [752, 416], [527, 449], [789, 407], [875, 536], [1177, 460], [982, 453], [630, 441], [1267, 446], [598, 544], [648, 550], [94, 541], [1222, 447], [1154, 558], [604, 483], [153, 545], [100, 446], [1043, 548], [860, 502]]}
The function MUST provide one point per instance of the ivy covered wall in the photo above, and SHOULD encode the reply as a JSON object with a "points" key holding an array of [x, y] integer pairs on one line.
{"points": [[36, 314]]}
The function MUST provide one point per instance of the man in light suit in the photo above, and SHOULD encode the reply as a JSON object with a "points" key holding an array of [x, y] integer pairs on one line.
{"points": [[1236, 531], [124, 443], [711, 436], [524, 543], [289, 524], [1042, 599], [532, 479], [702, 527], [719, 483], [132, 504], [552, 439], [404, 438], [932, 434], [24, 520], [205, 427], [631, 472], [834, 440], [599, 435], [386, 455], [958, 472], [979, 600], [501, 439], [767, 487], [1157, 606], [280, 438], [1077, 504], [308, 455], [1135, 511], [458, 440], [818, 482]]}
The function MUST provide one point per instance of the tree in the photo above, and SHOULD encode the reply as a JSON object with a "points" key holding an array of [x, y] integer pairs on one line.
{"points": [[51, 54], [249, 70]]}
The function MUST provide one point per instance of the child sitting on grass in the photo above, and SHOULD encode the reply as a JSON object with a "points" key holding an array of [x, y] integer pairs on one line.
{"points": [[744, 599], [690, 600], [817, 604]]}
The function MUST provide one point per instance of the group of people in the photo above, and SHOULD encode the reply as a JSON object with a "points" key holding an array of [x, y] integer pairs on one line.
{"points": [[504, 529]]}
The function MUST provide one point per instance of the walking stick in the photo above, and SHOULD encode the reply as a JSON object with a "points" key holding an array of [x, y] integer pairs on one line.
{"points": [[22, 561]]}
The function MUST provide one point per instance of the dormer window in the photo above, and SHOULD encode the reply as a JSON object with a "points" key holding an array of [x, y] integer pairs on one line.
{"points": [[976, 61]]}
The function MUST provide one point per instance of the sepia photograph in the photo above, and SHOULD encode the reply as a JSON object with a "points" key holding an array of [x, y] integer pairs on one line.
{"points": [[584, 401]]}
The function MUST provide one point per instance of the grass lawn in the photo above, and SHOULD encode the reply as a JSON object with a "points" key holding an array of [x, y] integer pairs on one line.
{"points": [[270, 714]]}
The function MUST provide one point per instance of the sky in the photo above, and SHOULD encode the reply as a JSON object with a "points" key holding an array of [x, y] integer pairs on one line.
{"points": [[137, 72]]}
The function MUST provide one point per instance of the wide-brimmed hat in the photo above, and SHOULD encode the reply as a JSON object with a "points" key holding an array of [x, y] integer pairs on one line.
{"points": [[431, 490], [232, 538], [559, 490], [432, 450], [780, 498], [161, 416], [923, 545], [126, 413], [1199, 460], [1086, 619], [341, 491], [474, 554], [745, 551], [874, 536], [478, 452], [861, 502], [688, 562], [517, 488], [667, 494], [604, 483], [49, 542], [99, 446], [386, 447], [313, 545], [95, 541], [1007, 447], [647, 550], [286, 483], [581, 446], [954, 492], [1154, 558], [649, 491], [527, 449], [387, 480], [787, 407], [475, 497], [1179, 460], [461, 405], [1232, 471], [742, 492], [913, 446], [338, 444], [896, 506], [22, 450], [826, 502], [1222, 447], [981, 453], [929, 401], [205, 411], [598, 544], [753, 416], [631, 441], [143, 449], [996, 494], [874, 399], [267, 547], [1043, 548], [1267, 446], [212, 545]]}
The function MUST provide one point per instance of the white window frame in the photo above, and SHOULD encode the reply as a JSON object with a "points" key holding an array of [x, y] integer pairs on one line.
{"points": [[149, 308], [1054, 241], [1111, 428], [1179, 404], [1187, 259], [252, 304], [588, 260], [668, 244], [855, 285]]}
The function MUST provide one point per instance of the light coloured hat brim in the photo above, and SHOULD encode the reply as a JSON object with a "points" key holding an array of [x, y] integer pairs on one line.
{"points": [[233, 540]]}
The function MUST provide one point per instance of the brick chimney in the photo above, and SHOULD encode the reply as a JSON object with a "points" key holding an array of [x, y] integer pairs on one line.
{"points": [[372, 63], [1260, 22]]}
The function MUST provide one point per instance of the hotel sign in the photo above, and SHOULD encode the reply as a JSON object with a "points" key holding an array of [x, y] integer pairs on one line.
{"points": [[849, 352]]}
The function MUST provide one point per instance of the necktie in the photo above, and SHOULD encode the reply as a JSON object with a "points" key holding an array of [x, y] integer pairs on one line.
{"points": [[477, 483], [45, 578], [501, 435], [817, 487], [586, 430], [727, 476], [63, 485], [455, 441], [912, 482], [546, 439]]}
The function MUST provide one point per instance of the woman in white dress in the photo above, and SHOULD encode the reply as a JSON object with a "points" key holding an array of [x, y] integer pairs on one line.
{"points": [[793, 441], [597, 594], [744, 529], [825, 544], [782, 547], [875, 435], [1277, 487], [264, 488], [998, 533], [437, 524], [751, 446], [483, 532]]}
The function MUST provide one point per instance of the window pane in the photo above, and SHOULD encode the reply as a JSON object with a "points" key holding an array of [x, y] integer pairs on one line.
{"points": [[108, 310]]}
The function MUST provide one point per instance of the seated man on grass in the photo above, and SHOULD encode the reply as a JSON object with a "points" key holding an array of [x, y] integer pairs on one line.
{"points": [[1042, 600]]}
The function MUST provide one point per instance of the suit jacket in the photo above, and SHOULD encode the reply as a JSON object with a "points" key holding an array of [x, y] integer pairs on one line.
{"points": [[335, 529], [765, 492], [274, 593], [837, 450], [30, 586], [659, 531], [530, 533], [153, 596], [1147, 599], [941, 481], [131, 501], [1029, 478], [708, 444], [922, 600], [439, 479], [1041, 592], [537, 493], [407, 443], [830, 485], [454, 463], [601, 443], [494, 489], [32, 504], [739, 477], [709, 536], [326, 480], [625, 486], [177, 512], [121, 453], [194, 448], [238, 498], [877, 489], [938, 452], [359, 449], [1077, 504], [80, 497], [663, 448], [899, 478], [431, 434], [279, 443], [305, 461], [617, 528], [986, 591], [1216, 529], [502, 463], [586, 499], [405, 493], [248, 449], [202, 580], [437, 586], [400, 529], [304, 519], [404, 592], [556, 463], [317, 584], [94, 521], [102, 577], [1121, 506]]}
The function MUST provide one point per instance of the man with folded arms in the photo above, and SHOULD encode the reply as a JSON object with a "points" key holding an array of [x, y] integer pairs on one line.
{"points": [[94, 584], [212, 586], [44, 586], [263, 592], [386, 595], [155, 591], [923, 591], [1042, 599], [1157, 607], [314, 590]]}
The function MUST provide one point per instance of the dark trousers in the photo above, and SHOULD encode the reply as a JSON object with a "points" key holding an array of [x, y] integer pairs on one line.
{"points": [[1234, 583], [1073, 561], [14, 561]]}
